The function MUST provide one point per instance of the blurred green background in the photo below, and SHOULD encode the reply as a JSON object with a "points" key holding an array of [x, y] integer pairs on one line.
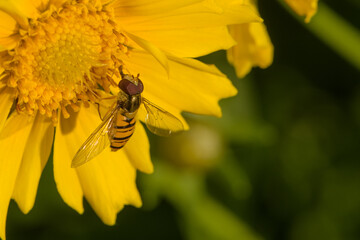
{"points": [[282, 163]]}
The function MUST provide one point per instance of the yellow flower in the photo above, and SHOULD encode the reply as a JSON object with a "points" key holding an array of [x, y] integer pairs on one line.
{"points": [[305, 8], [254, 47], [54, 55]]}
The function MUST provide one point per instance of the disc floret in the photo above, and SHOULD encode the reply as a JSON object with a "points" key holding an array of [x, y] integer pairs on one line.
{"points": [[63, 57]]}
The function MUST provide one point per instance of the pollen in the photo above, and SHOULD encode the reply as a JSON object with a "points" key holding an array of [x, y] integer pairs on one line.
{"points": [[63, 59]]}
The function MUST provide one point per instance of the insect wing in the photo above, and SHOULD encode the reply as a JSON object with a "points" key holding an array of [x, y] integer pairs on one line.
{"points": [[104, 109], [105, 106], [159, 121], [97, 141]]}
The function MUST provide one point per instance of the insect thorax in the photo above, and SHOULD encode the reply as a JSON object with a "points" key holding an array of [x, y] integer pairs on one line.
{"points": [[129, 103]]}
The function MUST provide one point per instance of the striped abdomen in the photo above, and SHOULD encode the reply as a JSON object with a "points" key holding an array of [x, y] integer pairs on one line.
{"points": [[123, 130]]}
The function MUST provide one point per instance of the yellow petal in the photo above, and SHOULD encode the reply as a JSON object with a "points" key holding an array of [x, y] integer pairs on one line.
{"points": [[154, 51], [148, 7], [305, 8], [191, 31], [66, 179], [204, 14], [7, 24], [138, 150], [191, 42], [6, 101], [254, 48], [36, 154], [108, 182], [193, 86], [8, 31], [12, 144], [20, 10], [96, 190]]}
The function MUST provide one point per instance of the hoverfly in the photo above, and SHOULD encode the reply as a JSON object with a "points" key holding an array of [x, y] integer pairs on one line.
{"points": [[119, 123]]}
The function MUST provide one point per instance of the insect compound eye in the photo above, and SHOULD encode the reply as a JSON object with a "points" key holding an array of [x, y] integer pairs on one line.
{"points": [[140, 86], [130, 88]]}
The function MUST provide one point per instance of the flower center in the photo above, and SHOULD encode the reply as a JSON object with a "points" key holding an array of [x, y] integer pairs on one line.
{"points": [[69, 56], [63, 58]]}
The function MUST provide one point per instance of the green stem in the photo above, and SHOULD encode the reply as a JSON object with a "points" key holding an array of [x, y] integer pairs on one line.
{"points": [[336, 32]]}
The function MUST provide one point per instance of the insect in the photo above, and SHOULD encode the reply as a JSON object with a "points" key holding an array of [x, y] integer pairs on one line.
{"points": [[118, 124]]}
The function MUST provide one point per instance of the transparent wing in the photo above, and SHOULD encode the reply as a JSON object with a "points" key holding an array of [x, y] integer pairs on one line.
{"points": [[97, 141], [159, 121], [105, 106]]}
